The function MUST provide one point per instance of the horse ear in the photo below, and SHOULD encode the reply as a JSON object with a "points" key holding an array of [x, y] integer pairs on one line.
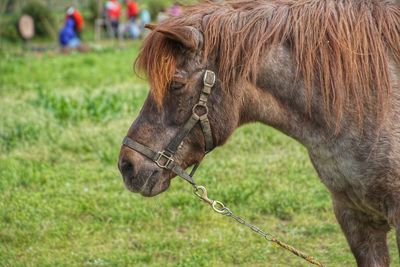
{"points": [[189, 36], [150, 26]]}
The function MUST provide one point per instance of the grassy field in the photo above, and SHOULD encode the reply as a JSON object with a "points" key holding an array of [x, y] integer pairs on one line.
{"points": [[63, 203]]}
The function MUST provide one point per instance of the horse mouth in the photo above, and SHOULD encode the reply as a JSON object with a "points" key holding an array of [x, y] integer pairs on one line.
{"points": [[149, 186]]}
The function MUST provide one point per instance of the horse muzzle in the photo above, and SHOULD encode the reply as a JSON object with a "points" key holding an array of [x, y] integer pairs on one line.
{"points": [[142, 177]]}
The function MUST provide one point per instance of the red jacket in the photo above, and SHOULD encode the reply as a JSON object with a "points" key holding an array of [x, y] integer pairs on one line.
{"points": [[77, 17], [132, 9], [78, 20], [113, 9]]}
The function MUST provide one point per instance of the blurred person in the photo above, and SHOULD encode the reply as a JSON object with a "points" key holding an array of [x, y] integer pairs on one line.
{"points": [[132, 12], [77, 16], [145, 16], [113, 13], [142, 19], [68, 36]]}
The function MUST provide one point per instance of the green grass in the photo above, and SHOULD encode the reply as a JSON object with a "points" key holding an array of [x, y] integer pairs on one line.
{"points": [[63, 203]]}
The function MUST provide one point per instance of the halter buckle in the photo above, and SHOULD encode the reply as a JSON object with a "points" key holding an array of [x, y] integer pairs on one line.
{"points": [[160, 157], [209, 78], [199, 106]]}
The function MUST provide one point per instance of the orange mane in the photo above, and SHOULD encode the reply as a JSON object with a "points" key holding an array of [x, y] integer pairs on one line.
{"points": [[157, 59], [341, 47]]}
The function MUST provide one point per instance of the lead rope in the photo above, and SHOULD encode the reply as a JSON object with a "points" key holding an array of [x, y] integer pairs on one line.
{"points": [[201, 192]]}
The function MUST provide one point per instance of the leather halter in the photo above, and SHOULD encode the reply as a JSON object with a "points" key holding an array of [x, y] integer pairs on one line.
{"points": [[165, 158]]}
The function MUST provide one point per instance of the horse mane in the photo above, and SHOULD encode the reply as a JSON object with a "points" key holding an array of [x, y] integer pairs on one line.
{"points": [[341, 47]]}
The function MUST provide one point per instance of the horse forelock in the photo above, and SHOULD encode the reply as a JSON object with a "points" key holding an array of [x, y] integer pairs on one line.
{"points": [[157, 59], [340, 47]]}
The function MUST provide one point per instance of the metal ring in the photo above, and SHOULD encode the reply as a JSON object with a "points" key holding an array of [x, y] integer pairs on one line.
{"points": [[202, 106], [219, 207]]}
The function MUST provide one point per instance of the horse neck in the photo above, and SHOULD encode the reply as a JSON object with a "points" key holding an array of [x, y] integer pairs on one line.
{"points": [[278, 99]]}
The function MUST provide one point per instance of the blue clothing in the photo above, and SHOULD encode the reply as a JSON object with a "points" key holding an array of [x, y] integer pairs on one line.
{"points": [[133, 29], [145, 16], [68, 36], [74, 43]]}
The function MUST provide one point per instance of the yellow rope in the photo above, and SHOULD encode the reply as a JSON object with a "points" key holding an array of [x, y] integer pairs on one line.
{"points": [[296, 252], [219, 207]]}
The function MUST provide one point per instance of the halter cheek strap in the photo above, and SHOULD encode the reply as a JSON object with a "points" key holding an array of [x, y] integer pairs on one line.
{"points": [[164, 159]]}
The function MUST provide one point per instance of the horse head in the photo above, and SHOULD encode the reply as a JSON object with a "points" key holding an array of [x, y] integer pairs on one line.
{"points": [[173, 58]]}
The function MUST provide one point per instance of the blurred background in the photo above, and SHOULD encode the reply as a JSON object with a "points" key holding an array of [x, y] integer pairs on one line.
{"points": [[96, 16], [68, 95]]}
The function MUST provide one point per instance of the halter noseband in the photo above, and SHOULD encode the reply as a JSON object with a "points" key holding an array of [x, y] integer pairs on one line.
{"points": [[164, 159]]}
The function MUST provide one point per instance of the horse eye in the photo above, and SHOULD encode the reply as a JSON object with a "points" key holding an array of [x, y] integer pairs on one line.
{"points": [[175, 85]]}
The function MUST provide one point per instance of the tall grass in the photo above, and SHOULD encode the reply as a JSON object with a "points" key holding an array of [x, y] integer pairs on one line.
{"points": [[101, 106]]}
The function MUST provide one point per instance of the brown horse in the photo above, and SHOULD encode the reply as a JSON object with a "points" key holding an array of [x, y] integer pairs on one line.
{"points": [[326, 73]]}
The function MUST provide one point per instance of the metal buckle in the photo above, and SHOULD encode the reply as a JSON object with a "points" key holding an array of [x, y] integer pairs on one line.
{"points": [[162, 155], [200, 106], [209, 78]]}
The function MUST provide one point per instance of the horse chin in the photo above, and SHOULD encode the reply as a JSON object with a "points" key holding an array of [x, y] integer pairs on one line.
{"points": [[148, 185], [155, 185]]}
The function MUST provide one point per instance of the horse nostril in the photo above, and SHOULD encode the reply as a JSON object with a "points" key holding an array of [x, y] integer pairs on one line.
{"points": [[126, 168]]}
